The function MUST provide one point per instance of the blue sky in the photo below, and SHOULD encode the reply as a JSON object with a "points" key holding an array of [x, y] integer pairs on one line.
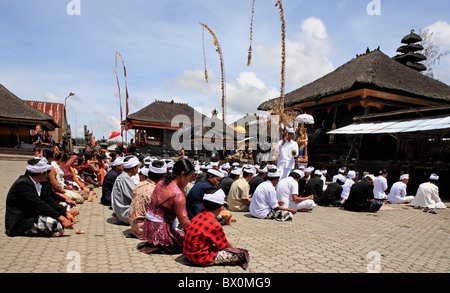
{"points": [[46, 53]]}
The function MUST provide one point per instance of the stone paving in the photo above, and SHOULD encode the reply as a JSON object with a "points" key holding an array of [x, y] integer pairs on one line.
{"points": [[397, 239]]}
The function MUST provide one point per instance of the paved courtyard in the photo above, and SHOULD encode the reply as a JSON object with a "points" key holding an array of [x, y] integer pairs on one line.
{"points": [[397, 239]]}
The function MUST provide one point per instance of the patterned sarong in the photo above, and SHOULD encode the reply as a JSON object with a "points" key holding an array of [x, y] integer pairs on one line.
{"points": [[280, 215], [46, 226]]}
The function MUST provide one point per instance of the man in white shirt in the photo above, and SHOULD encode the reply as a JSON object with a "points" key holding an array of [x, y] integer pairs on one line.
{"points": [[380, 186], [398, 192], [341, 172], [348, 184], [427, 195], [287, 152], [287, 192], [264, 204], [123, 189]]}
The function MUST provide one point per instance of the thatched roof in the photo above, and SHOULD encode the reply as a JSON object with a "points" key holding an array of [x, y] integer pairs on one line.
{"points": [[163, 112], [160, 112], [373, 70], [16, 111]]}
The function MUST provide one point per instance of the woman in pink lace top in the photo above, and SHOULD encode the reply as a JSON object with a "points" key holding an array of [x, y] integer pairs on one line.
{"points": [[168, 204]]}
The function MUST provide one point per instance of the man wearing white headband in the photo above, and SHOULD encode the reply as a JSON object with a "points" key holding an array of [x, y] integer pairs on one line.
{"points": [[314, 186], [142, 195], [287, 193], [110, 179], [27, 213], [351, 175], [239, 197], [122, 192], [287, 152], [361, 198], [332, 195], [427, 196], [341, 171], [226, 182], [258, 179], [380, 185], [304, 181], [265, 205], [195, 196], [205, 242], [398, 193]]}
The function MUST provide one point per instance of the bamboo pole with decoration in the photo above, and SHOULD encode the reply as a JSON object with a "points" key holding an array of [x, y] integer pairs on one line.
{"points": [[219, 51], [280, 107]]}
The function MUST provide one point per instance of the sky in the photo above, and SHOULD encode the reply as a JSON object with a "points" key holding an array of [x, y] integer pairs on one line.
{"points": [[50, 48]]}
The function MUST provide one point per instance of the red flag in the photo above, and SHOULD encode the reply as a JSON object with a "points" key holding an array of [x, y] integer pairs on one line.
{"points": [[114, 134], [93, 140]]}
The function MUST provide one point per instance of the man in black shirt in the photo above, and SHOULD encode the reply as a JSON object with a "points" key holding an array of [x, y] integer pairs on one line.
{"points": [[361, 198], [260, 178], [315, 186], [40, 139], [332, 195]]}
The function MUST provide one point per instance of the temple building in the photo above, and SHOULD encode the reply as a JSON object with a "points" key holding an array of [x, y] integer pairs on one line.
{"points": [[376, 87], [161, 127], [17, 119]]}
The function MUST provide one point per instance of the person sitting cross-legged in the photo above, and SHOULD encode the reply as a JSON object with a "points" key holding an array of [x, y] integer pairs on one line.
{"points": [[27, 213], [205, 242]]}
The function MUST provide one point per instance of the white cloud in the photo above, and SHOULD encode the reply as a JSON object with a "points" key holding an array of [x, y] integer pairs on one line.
{"points": [[52, 98], [103, 124], [243, 94], [441, 37], [441, 32], [306, 55], [193, 80], [306, 60], [246, 92]]}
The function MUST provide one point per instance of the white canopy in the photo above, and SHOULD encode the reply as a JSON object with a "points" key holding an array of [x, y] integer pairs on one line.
{"points": [[414, 125]]}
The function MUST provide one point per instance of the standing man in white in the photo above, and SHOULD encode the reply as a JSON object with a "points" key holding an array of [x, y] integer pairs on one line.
{"points": [[287, 152]]}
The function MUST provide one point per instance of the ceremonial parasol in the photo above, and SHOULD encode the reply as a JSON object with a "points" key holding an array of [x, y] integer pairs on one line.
{"points": [[240, 129], [304, 119], [114, 134]]}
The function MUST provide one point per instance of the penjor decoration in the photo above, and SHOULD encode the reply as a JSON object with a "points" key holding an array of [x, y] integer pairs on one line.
{"points": [[278, 4], [219, 51], [125, 127]]}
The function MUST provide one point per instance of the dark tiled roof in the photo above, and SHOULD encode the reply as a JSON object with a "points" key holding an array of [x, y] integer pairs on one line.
{"points": [[374, 70]]}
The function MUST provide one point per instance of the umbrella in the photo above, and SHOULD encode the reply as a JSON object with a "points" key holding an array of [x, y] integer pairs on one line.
{"points": [[305, 118], [114, 134], [240, 129]]}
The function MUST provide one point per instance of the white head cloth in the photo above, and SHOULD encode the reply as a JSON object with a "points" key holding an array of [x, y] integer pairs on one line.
{"points": [[215, 172], [236, 171], [275, 174], [216, 197], [118, 161], [133, 162], [434, 177], [351, 174], [162, 170], [40, 167], [404, 176], [144, 171]]}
